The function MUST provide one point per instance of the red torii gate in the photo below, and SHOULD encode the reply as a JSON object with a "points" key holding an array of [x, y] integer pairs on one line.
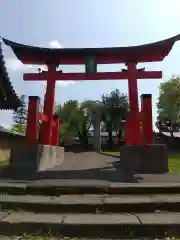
{"points": [[153, 52], [32, 123]]}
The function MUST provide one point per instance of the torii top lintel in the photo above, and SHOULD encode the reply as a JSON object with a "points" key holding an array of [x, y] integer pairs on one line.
{"points": [[152, 52]]}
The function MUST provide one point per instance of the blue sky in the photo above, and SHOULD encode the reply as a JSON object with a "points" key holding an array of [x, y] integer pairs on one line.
{"points": [[88, 23]]}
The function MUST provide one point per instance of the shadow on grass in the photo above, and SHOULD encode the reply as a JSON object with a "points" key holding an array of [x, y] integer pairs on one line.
{"points": [[173, 159], [111, 154], [4, 163]]}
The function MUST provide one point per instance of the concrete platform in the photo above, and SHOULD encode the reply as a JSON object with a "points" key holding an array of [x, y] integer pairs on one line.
{"points": [[26, 159]]}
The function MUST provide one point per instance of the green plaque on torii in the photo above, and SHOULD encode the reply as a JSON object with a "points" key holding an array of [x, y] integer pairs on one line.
{"points": [[90, 65]]}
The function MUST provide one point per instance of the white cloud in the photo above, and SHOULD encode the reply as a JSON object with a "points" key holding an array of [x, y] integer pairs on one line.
{"points": [[61, 83], [43, 68], [6, 118], [58, 83], [15, 65], [64, 83], [55, 44]]}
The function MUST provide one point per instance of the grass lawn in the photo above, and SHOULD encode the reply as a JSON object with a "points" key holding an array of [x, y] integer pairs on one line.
{"points": [[3, 163], [4, 157], [174, 164], [174, 161]]}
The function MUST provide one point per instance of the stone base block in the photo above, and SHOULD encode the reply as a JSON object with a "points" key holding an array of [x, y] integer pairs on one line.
{"points": [[26, 159], [150, 159], [49, 157]]}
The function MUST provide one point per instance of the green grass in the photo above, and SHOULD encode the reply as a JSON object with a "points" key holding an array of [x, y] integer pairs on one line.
{"points": [[49, 237], [174, 161], [174, 164], [4, 163]]}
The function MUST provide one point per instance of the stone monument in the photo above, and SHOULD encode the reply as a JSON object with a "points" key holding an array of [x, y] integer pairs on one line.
{"points": [[97, 127]]}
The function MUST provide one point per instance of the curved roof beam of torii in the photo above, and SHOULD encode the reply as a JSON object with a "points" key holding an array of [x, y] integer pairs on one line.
{"points": [[151, 52]]}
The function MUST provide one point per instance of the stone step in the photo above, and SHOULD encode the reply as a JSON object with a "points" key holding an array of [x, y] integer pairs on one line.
{"points": [[91, 225], [91, 203], [18, 174], [60, 186]]}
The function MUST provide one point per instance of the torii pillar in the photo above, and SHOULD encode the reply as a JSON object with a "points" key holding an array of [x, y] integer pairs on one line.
{"points": [[49, 104], [146, 119], [133, 118]]}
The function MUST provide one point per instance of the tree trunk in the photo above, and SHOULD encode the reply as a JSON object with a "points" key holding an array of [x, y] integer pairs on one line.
{"points": [[83, 138], [171, 132], [85, 143], [119, 136], [172, 129], [109, 138]]}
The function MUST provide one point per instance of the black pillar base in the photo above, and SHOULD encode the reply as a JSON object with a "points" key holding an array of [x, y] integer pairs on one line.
{"points": [[149, 159]]}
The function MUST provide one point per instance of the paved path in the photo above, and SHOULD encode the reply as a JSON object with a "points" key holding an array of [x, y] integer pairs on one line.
{"points": [[94, 167], [85, 161], [91, 168]]}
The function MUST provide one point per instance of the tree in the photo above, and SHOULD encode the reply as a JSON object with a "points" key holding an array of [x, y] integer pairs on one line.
{"points": [[20, 115], [86, 115], [77, 119], [66, 113], [166, 125], [115, 114], [169, 105], [18, 128]]}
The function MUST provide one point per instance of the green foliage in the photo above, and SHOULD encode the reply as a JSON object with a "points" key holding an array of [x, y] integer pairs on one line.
{"points": [[169, 99], [116, 111], [169, 104], [76, 119], [20, 115], [68, 113], [63, 133], [18, 128]]}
